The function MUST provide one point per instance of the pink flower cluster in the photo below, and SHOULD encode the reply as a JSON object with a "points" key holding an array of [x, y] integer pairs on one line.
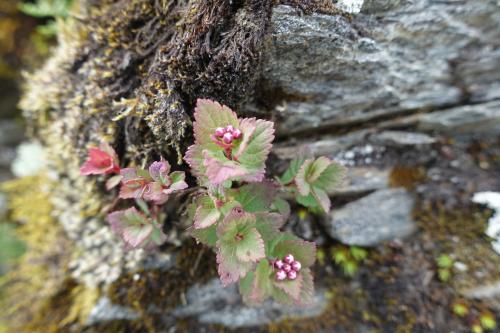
{"points": [[227, 134], [287, 268]]}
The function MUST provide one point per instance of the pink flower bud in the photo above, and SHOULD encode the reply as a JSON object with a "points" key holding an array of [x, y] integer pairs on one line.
{"points": [[296, 266], [237, 134], [288, 259], [227, 138], [229, 129], [287, 268], [281, 275], [278, 264], [292, 275], [219, 132]]}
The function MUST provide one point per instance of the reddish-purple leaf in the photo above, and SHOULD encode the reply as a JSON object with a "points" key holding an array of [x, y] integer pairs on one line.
{"points": [[102, 160]]}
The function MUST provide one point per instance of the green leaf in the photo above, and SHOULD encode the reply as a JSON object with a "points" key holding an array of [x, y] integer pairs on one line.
{"points": [[257, 285], [317, 178], [331, 177], [268, 225], [307, 201], [282, 206], [293, 169], [350, 268], [305, 295], [230, 269], [307, 289], [444, 261], [358, 253], [322, 198], [303, 251], [207, 236], [206, 212], [291, 287], [256, 197], [239, 246], [135, 228]]}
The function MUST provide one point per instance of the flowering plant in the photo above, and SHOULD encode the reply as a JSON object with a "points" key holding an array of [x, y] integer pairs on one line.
{"points": [[237, 210]]}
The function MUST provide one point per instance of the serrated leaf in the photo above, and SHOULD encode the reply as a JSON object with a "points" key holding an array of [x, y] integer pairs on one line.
{"points": [[256, 197], [291, 287], [307, 201], [331, 177], [268, 225], [294, 167], [322, 198], [206, 236], [261, 283], [303, 251], [134, 228], [231, 269], [307, 288], [282, 207], [237, 231], [206, 213], [239, 246]]}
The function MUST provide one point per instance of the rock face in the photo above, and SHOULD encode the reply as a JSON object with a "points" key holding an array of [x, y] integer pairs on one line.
{"points": [[381, 216], [213, 304], [360, 180], [473, 119], [383, 62]]}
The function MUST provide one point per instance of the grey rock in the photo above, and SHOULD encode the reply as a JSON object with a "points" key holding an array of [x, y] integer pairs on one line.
{"points": [[402, 139], [490, 290], [213, 304], [474, 119], [360, 180], [11, 133], [381, 216], [328, 146], [420, 55], [104, 310]]}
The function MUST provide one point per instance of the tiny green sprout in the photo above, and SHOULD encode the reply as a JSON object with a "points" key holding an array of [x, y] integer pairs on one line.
{"points": [[350, 268], [340, 255], [358, 253], [488, 321], [445, 261], [460, 308], [476, 328], [444, 274], [348, 258], [445, 264]]}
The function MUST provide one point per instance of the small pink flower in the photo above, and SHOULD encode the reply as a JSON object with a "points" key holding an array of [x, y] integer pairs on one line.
{"points": [[100, 161], [219, 132], [287, 268], [281, 275], [292, 275], [278, 264], [227, 138], [237, 134], [288, 259], [229, 129], [296, 266]]}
